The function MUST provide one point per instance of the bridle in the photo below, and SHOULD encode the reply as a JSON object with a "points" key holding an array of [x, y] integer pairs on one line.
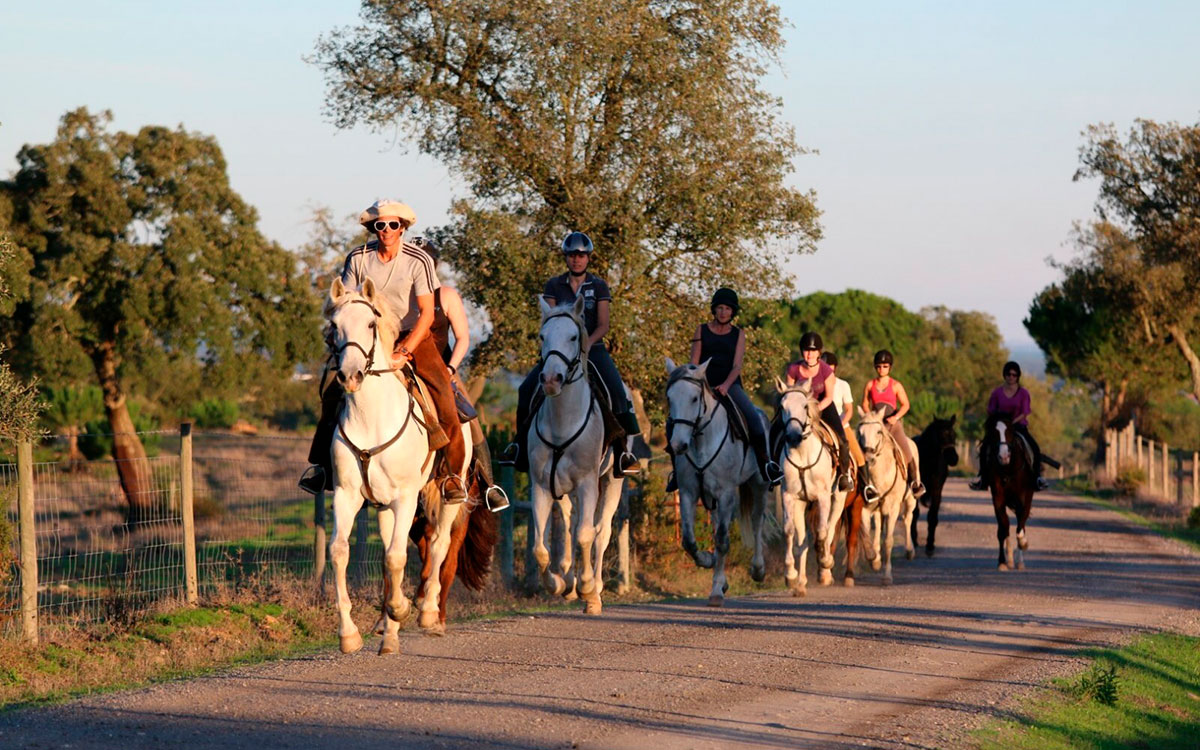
{"points": [[885, 438], [338, 351], [699, 425], [575, 368], [576, 371], [805, 432]]}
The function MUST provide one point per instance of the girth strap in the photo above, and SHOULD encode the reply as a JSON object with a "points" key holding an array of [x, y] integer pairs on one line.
{"points": [[365, 456]]}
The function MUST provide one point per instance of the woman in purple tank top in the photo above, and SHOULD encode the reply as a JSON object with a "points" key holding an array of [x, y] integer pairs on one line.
{"points": [[1012, 401]]}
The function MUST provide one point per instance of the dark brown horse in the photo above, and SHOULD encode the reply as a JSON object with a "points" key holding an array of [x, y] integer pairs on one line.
{"points": [[935, 448], [1012, 482]]}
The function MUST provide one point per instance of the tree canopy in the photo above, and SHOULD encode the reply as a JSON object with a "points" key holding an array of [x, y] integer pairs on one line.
{"points": [[147, 269], [640, 122]]}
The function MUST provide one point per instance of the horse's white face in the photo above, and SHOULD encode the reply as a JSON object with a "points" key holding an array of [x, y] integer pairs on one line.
{"points": [[687, 404], [354, 327], [1005, 456], [870, 431], [563, 339], [794, 406]]}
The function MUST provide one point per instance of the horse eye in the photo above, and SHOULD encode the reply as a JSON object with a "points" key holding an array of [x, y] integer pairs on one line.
{"points": [[575, 337], [371, 325], [695, 399]]}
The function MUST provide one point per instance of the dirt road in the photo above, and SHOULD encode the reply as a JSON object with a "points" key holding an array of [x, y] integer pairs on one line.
{"points": [[911, 666]]}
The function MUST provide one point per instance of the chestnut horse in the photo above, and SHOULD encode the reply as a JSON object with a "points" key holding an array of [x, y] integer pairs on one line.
{"points": [[1012, 486]]}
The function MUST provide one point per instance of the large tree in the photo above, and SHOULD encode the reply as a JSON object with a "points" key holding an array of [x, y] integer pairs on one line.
{"points": [[1150, 194], [640, 122], [147, 267]]}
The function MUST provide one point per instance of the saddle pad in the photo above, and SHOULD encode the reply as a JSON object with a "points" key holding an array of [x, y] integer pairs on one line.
{"points": [[737, 420]]}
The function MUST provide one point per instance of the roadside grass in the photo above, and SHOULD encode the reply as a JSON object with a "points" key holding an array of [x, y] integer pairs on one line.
{"points": [[1145, 695], [1163, 519]]}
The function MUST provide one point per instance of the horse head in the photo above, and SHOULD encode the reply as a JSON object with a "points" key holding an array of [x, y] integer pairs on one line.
{"points": [[1003, 452], [797, 408], [688, 400], [361, 322], [564, 343], [871, 429]]}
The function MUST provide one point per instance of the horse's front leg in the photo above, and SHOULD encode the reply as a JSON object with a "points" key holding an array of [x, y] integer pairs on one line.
{"points": [[542, 503], [758, 514], [687, 530], [610, 500], [1022, 514], [852, 522], [722, 527], [1005, 560], [824, 535], [430, 618], [345, 508], [888, 521], [585, 536], [395, 604], [931, 520], [872, 520], [795, 537], [566, 564], [909, 507]]}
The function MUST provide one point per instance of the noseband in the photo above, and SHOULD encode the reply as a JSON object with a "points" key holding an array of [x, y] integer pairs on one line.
{"points": [[575, 368]]}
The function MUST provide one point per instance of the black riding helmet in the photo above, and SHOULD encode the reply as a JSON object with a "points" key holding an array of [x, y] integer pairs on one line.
{"points": [[883, 357], [577, 242], [811, 340], [725, 296]]}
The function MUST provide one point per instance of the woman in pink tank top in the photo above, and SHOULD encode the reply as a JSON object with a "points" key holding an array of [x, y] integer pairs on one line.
{"points": [[888, 392], [1012, 401]]}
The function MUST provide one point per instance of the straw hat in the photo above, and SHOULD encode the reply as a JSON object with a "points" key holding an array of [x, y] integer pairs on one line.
{"points": [[388, 207]]}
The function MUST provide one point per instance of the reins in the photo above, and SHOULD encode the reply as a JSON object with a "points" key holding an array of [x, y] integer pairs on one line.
{"points": [[871, 458], [806, 431], [576, 371], [698, 429]]}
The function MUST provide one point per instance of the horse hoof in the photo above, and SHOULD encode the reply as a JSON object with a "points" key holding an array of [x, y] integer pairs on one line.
{"points": [[390, 644], [1002, 567], [929, 551], [758, 573], [716, 601], [799, 591], [848, 583], [379, 625], [571, 595], [622, 589], [351, 643], [876, 564], [1022, 542], [910, 554], [1021, 565], [436, 630], [593, 606], [427, 620], [887, 580], [826, 577]]}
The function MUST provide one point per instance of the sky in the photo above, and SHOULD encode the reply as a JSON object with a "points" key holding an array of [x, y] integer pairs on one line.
{"points": [[942, 136]]}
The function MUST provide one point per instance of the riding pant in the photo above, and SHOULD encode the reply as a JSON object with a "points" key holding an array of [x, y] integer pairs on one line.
{"points": [[830, 417]]}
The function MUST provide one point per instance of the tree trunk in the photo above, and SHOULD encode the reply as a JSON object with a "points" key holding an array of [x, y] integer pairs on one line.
{"points": [[132, 467], [1189, 354], [75, 457]]}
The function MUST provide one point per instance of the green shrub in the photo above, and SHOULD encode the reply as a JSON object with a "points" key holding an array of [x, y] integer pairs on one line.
{"points": [[1193, 519], [215, 413], [1098, 683], [1129, 480]]}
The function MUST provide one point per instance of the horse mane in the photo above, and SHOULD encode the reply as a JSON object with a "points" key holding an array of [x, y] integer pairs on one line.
{"points": [[388, 324]]}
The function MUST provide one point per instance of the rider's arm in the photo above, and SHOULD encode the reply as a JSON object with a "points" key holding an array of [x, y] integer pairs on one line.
{"points": [[848, 407], [419, 331], [696, 344], [830, 385], [866, 399], [1023, 408], [601, 322], [739, 353], [901, 403], [452, 305]]}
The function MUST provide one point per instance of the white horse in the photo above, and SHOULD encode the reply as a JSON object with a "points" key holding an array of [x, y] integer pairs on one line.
{"points": [[569, 462], [380, 454], [714, 467], [809, 477], [895, 495]]}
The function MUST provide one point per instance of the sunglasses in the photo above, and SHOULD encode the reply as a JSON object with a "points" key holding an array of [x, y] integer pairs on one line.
{"points": [[381, 225], [577, 254], [1012, 374]]}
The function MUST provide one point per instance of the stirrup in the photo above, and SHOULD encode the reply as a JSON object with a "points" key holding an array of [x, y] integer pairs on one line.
{"points": [[495, 498], [508, 456], [312, 480], [976, 484], [629, 463], [672, 484], [869, 492], [772, 473], [918, 490], [1042, 484], [455, 495]]}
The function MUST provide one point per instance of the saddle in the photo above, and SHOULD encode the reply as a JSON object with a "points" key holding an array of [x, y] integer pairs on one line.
{"points": [[823, 432], [612, 428], [737, 420]]}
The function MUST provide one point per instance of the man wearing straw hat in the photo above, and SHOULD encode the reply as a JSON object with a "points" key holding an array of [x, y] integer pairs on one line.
{"points": [[406, 276]]}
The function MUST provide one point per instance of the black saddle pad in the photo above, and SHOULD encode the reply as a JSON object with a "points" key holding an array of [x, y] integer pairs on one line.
{"points": [[737, 420]]}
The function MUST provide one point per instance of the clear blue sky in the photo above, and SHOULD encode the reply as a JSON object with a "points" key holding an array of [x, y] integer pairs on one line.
{"points": [[945, 133]]}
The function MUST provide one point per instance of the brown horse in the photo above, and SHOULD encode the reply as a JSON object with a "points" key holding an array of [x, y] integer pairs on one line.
{"points": [[1012, 485], [935, 446]]}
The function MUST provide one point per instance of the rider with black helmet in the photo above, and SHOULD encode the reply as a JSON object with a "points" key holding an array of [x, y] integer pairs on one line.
{"points": [[809, 368], [577, 251], [723, 346], [887, 391]]}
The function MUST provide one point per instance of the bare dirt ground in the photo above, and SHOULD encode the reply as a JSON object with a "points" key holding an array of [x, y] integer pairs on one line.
{"points": [[916, 665]]}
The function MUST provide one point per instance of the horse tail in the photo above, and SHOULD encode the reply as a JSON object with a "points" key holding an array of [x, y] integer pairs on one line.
{"points": [[475, 555]]}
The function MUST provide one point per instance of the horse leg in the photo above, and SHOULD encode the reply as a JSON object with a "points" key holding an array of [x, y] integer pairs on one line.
{"points": [[541, 503], [458, 537], [1002, 530], [912, 529], [852, 522], [794, 534], [931, 519], [872, 520], [429, 619], [909, 509], [610, 501], [824, 534], [758, 561], [566, 562], [1022, 514], [687, 531], [888, 521], [345, 508], [722, 526], [585, 536], [394, 613]]}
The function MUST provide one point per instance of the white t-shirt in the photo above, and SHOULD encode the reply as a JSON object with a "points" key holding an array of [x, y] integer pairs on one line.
{"points": [[401, 280], [842, 395]]}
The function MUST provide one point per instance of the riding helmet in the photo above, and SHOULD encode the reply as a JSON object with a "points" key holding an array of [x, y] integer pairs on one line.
{"points": [[725, 296], [577, 242], [883, 357], [811, 340], [1012, 367], [830, 359], [429, 246]]}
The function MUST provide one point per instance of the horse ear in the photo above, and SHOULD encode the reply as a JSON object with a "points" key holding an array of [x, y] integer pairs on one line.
{"points": [[577, 308], [545, 306], [953, 417], [670, 365], [780, 386], [862, 412], [368, 289], [702, 367], [337, 289]]}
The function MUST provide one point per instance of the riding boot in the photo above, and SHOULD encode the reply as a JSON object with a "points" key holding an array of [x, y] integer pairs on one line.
{"points": [[914, 480], [845, 478], [767, 468], [319, 476]]}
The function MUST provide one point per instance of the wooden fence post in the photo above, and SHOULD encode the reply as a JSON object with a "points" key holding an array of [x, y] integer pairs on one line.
{"points": [[1166, 473], [1196, 479], [1108, 454], [505, 553], [187, 510], [25, 516], [1137, 441], [319, 541], [1150, 465]]}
